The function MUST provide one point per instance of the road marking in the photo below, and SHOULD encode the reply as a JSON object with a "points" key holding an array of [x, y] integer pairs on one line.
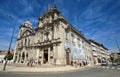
{"points": [[113, 68], [103, 67], [107, 67], [98, 67], [118, 68]]}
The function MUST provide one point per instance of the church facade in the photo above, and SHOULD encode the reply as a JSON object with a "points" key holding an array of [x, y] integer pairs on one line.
{"points": [[55, 41]]}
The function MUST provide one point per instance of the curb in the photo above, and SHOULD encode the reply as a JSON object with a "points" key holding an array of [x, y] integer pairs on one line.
{"points": [[47, 72]]}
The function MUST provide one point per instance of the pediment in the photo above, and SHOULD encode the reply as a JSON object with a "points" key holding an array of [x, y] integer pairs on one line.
{"points": [[26, 33]]}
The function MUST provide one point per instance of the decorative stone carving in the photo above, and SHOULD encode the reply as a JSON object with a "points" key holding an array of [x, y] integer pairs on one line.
{"points": [[50, 19]]}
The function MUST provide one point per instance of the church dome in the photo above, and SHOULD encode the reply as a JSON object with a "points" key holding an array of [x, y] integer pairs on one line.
{"points": [[28, 24]]}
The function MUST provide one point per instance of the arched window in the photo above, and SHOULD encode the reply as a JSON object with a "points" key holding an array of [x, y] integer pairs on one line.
{"points": [[23, 57], [25, 41], [72, 38], [28, 41], [57, 28], [21, 42], [27, 56]]}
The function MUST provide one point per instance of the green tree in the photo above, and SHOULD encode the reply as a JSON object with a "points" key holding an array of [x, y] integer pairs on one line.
{"points": [[111, 58], [9, 57]]}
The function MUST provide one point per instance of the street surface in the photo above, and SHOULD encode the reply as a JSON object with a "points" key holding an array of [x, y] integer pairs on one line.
{"points": [[98, 71]]}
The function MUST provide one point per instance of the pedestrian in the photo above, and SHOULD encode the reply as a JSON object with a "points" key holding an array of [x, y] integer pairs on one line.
{"points": [[71, 63], [55, 61], [83, 63], [39, 62], [80, 64], [75, 63], [86, 63], [28, 64], [2, 61]]}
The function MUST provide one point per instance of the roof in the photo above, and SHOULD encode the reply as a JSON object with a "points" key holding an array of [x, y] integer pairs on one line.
{"points": [[28, 22], [99, 44]]}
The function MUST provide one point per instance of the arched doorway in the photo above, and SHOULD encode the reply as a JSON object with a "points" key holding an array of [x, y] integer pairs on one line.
{"points": [[27, 56], [45, 56], [99, 60], [68, 56], [23, 57]]}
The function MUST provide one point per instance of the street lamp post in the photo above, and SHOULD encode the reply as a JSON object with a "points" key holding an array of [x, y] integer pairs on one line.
{"points": [[117, 45], [10, 40]]}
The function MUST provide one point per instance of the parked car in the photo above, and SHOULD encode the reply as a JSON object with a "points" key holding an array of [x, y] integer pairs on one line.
{"points": [[114, 63], [104, 63]]}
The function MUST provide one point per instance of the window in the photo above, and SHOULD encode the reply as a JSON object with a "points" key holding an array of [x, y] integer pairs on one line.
{"points": [[27, 56], [28, 41], [25, 41], [66, 36], [47, 34], [78, 42], [57, 28], [21, 43], [72, 38], [18, 44], [82, 41], [51, 48]]}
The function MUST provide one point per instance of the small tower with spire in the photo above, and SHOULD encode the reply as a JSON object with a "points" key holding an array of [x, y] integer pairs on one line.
{"points": [[55, 7], [40, 19], [49, 7]]}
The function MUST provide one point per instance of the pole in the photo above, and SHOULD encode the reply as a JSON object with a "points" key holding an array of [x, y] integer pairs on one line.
{"points": [[117, 45], [10, 42]]}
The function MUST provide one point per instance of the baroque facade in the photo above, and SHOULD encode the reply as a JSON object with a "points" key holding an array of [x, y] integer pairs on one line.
{"points": [[55, 41]]}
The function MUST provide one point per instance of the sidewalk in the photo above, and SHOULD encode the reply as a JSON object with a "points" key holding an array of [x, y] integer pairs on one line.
{"points": [[42, 69]]}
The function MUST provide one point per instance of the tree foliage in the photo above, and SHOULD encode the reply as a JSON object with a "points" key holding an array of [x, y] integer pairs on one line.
{"points": [[9, 57], [117, 60], [111, 58]]}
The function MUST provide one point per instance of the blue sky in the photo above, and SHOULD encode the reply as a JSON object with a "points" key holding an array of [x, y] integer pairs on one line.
{"points": [[97, 19]]}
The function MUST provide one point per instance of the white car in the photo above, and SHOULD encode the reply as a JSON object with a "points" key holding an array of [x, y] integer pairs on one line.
{"points": [[104, 63], [114, 64]]}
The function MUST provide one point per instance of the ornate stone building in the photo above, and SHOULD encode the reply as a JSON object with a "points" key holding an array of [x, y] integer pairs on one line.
{"points": [[54, 41]]}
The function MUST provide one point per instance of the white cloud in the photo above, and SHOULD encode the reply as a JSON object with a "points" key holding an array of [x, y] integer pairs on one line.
{"points": [[28, 10]]}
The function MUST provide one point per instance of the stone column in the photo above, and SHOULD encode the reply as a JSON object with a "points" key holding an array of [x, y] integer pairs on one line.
{"points": [[24, 57], [17, 57], [61, 49], [14, 56], [60, 58], [37, 55], [55, 54], [20, 57], [42, 56], [57, 31], [54, 32]]}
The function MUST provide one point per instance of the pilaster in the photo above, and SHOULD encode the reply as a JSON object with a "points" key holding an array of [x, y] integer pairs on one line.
{"points": [[48, 55]]}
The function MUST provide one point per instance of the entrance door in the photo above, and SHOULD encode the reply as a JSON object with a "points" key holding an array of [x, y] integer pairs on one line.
{"points": [[45, 59], [67, 58]]}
